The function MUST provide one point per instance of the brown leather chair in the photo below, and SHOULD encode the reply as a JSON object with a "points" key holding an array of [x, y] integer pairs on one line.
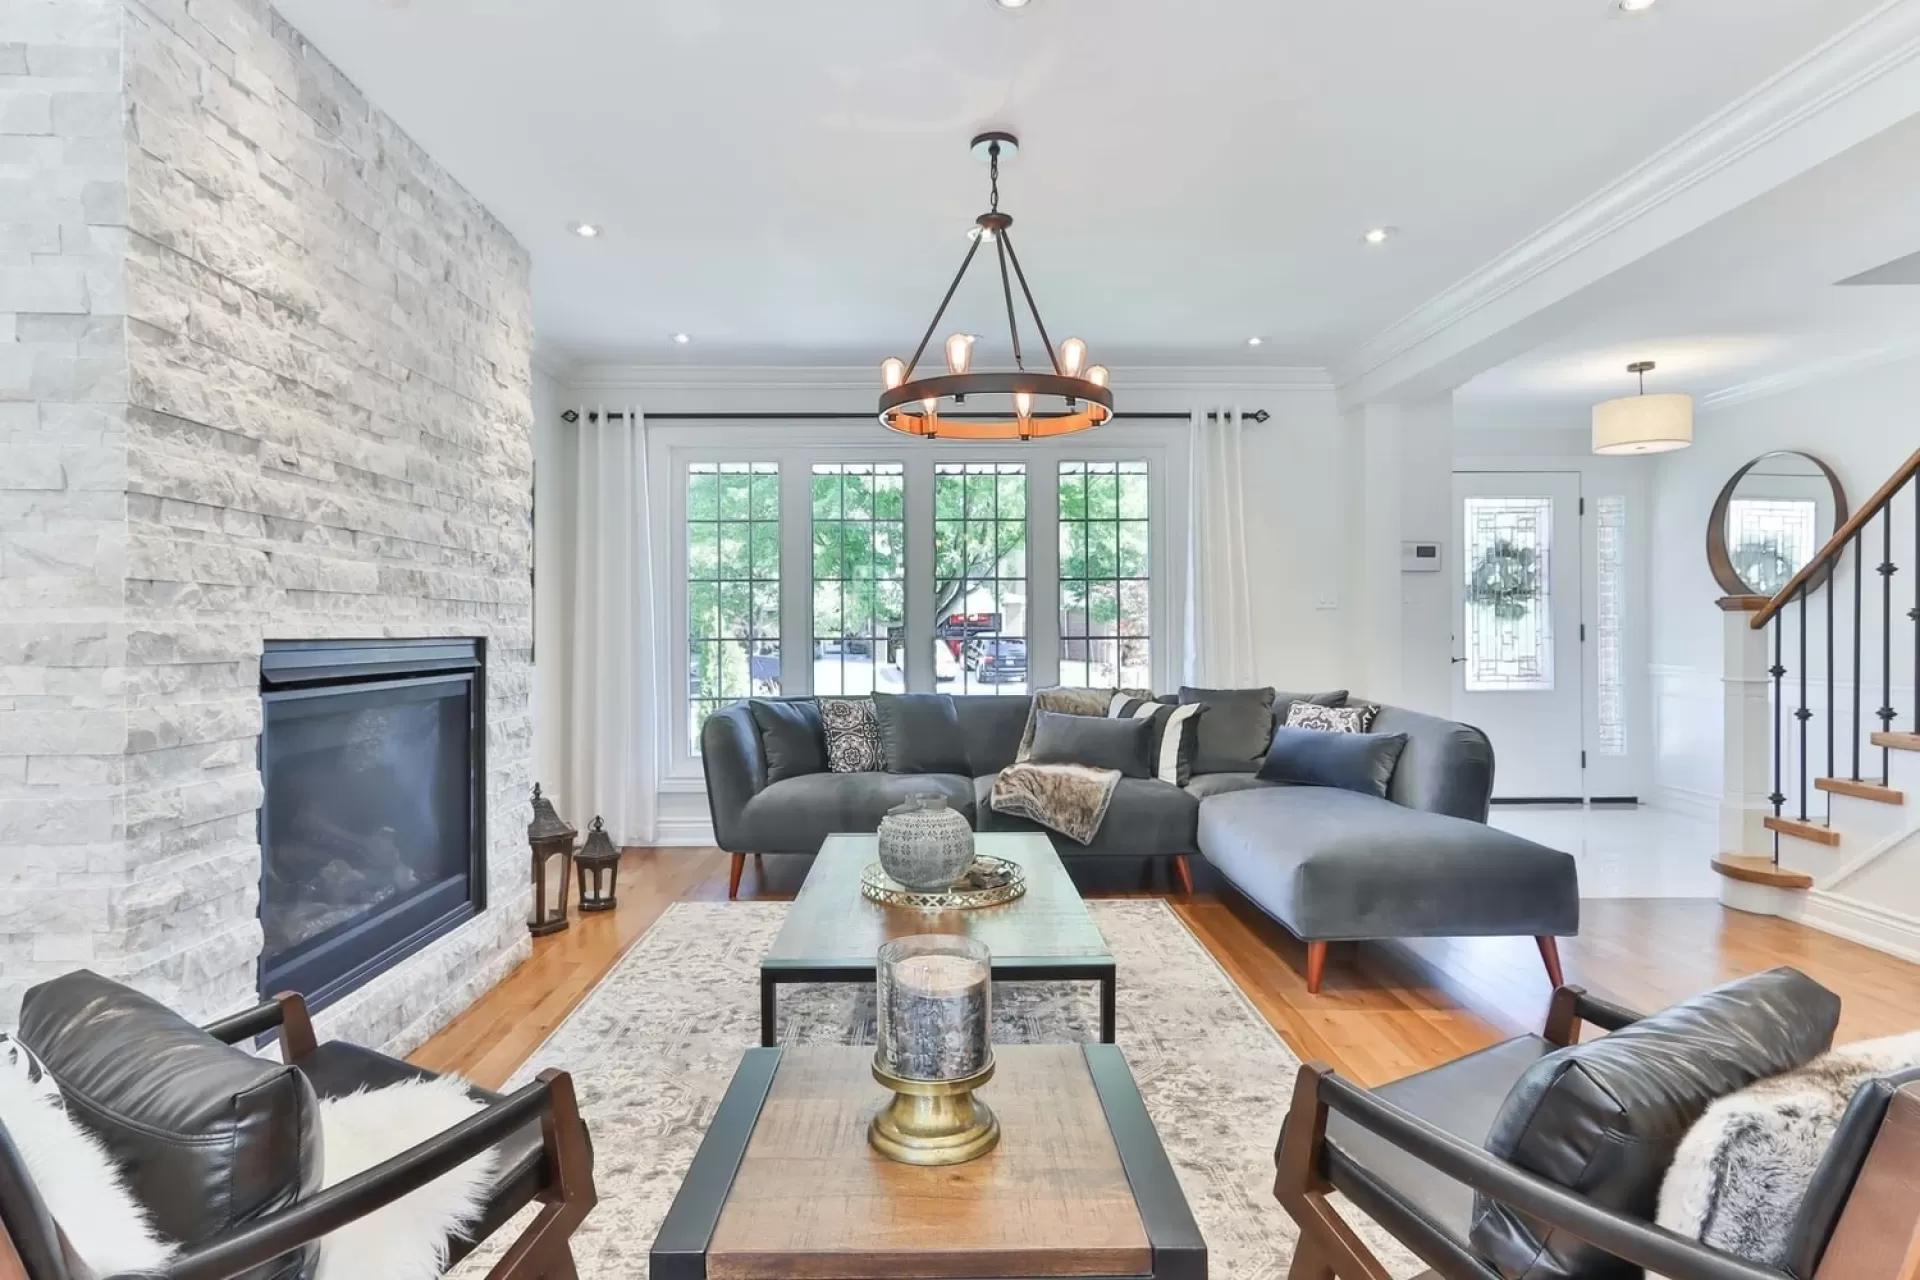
{"points": [[98, 1039], [1542, 1156]]}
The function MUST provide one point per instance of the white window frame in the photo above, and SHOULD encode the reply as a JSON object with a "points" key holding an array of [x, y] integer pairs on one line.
{"points": [[797, 445]]}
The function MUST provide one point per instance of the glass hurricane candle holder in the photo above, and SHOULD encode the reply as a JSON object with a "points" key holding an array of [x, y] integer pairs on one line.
{"points": [[934, 1004]]}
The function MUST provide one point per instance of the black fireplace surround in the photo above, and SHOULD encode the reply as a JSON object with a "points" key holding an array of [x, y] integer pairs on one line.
{"points": [[373, 829]]}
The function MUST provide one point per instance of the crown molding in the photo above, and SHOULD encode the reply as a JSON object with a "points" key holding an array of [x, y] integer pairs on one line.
{"points": [[1810, 374], [863, 381], [1873, 48]]}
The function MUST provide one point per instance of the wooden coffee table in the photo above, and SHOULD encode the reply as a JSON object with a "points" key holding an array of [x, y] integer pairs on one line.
{"points": [[784, 1184], [832, 933]]}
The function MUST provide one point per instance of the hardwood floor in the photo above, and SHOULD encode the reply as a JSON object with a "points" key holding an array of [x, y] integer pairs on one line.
{"points": [[1386, 1009]]}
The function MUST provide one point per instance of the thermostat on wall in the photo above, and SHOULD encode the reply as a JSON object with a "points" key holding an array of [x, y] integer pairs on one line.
{"points": [[1419, 557]]}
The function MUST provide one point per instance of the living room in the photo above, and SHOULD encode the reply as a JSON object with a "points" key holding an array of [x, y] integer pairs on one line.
{"points": [[1325, 574]]}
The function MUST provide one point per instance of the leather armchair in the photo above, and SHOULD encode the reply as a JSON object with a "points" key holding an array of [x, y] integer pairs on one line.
{"points": [[543, 1149], [1422, 1156]]}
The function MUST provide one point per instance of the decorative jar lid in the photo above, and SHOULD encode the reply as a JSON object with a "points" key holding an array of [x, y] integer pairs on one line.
{"points": [[546, 824]]}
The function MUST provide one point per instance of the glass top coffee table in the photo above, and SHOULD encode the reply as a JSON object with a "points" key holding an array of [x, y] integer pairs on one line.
{"points": [[832, 933]]}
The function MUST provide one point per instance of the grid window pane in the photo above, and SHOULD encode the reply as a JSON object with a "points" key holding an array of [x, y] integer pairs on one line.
{"points": [[1770, 539], [980, 577], [1509, 613], [733, 586], [1611, 529], [1105, 594], [859, 566]]}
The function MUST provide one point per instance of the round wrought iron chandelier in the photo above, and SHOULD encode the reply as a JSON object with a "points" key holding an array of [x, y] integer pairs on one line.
{"points": [[1018, 404]]}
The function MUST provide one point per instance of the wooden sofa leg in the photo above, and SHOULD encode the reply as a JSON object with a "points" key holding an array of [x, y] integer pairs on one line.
{"points": [[1316, 966], [733, 875], [1550, 953], [1183, 869]]}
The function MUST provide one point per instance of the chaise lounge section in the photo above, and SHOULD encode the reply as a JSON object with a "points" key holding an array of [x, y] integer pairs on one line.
{"points": [[1329, 864]]}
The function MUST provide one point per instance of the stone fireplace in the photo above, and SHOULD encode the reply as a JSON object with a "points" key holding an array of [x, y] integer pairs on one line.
{"points": [[271, 381]]}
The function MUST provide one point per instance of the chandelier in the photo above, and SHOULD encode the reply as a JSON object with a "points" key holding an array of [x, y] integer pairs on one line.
{"points": [[1016, 404]]}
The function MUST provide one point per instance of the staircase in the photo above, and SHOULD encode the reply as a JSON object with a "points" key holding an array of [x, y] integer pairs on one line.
{"points": [[1841, 843]]}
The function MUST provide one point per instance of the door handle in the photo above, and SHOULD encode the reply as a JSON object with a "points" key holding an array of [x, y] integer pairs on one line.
{"points": [[1456, 661]]}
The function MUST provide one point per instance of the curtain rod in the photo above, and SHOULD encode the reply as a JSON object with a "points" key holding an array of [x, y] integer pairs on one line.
{"points": [[616, 415]]}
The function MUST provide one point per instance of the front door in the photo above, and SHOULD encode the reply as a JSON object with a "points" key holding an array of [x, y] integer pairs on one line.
{"points": [[1516, 644]]}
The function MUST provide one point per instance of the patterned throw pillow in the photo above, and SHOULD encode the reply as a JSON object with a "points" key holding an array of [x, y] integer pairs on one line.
{"points": [[853, 735], [1176, 733], [1354, 718]]}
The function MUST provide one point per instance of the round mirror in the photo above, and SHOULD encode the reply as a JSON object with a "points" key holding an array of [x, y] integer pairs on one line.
{"points": [[1769, 521]]}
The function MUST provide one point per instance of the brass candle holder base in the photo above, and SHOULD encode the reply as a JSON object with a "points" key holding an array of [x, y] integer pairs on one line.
{"points": [[933, 1122]]}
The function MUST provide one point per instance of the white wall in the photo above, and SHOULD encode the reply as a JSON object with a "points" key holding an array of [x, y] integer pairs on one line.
{"points": [[1863, 426]]}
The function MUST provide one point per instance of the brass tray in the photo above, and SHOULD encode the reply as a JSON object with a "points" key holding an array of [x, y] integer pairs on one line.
{"points": [[877, 886]]}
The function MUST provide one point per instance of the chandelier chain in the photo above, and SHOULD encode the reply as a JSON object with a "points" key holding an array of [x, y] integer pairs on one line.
{"points": [[993, 174]]}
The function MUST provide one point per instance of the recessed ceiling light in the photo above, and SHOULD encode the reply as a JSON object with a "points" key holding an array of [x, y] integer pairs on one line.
{"points": [[1380, 235], [1636, 6], [682, 339], [585, 230], [1011, 4], [1254, 342]]}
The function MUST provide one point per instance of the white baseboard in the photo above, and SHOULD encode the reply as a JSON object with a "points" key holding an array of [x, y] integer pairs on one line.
{"points": [[677, 831], [1694, 804], [1862, 922]]}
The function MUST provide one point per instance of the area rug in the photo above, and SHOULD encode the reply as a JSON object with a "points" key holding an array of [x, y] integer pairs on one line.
{"points": [[653, 1047]]}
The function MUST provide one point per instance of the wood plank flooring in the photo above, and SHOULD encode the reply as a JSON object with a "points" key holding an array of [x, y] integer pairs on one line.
{"points": [[1387, 1009]]}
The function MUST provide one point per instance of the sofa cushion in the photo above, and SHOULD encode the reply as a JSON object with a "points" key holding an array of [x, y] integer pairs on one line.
{"points": [[209, 1136], [1176, 733], [792, 737], [1096, 741], [991, 728], [1604, 1118], [797, 815], [1235, 731], [852, 732], [1146, 818], [1447, 767], [1360, 762], [1333, 864], [1204, 785], [920, 733]]}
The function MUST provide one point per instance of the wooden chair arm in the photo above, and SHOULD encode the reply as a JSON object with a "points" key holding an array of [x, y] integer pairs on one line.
{"points": [[286, 1012], [1660, 1251], [550, 1099]]}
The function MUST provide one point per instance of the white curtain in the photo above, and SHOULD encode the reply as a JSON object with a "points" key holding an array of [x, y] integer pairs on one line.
{"points": [[1219, 595], [611, 711]]}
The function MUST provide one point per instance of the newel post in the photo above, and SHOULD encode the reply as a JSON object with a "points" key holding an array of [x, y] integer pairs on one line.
{"points": [[1747, 751]]}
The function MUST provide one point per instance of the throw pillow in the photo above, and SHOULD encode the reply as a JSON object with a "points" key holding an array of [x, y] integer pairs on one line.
{"points": [[78, 1181], [405, 1240], [1604, 1118], [792, 737], [920, 733], [1072, 701], [1176, 733], [1742, 1172], [1360, 762], [851, 730], [1095, 741], [1236, 730], [1355, 718], [1283, 702]]}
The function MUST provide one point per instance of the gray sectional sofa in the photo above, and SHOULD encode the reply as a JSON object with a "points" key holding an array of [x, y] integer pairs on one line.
{"points": [[1329, 864]]}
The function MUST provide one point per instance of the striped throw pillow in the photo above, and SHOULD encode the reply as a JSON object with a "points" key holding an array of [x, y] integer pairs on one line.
{"points": [[1175, 739]]}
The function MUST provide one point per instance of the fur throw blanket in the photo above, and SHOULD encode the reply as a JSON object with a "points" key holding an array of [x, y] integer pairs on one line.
{"points": [[1069, 798], [1737, 1181]]}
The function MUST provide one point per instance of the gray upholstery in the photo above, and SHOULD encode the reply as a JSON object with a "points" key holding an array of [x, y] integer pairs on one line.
{"points": [[797, 815], [1205, 785], [1446, 767], [1334, 865], [1146, 819], [992, 729]]}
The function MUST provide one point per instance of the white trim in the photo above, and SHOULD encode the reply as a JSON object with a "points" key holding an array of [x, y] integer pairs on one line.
{"points": [[1686, 800], [683, 831], [1808, 375], [1867, 52], [863, 384], [1856, 921]]}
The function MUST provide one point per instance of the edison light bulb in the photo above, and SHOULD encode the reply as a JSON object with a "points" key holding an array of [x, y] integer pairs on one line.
{"points": [[893, 372], [1097, 375], [1073, 354], [1023, 403], [960, 353]]}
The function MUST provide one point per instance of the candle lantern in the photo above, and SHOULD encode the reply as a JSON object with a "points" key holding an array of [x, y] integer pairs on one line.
{"points": [[599, 865], [552, 842], [934, 1008]]}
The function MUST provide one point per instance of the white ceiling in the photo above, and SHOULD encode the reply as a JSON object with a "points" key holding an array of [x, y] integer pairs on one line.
{"points": [[1751, 297], [788, 182]]}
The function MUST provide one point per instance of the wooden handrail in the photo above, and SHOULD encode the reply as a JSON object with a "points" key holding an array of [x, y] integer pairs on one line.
{"points": [[1881, 499]]}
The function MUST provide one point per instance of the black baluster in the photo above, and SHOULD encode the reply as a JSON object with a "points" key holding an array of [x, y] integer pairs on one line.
{"points": [[1801, 713], [1858, 551], [1886, 637], [1778, 670]]}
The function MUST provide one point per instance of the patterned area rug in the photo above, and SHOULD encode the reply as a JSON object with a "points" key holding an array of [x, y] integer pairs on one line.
{"points": [[653, 1047]]}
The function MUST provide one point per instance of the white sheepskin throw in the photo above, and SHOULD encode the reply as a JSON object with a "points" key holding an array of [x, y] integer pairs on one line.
{"points": [[76, 1178], [1741, 1172], [406, 1240]]}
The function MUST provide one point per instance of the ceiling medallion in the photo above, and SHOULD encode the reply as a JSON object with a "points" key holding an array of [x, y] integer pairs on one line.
{"points": [[963, 404]]}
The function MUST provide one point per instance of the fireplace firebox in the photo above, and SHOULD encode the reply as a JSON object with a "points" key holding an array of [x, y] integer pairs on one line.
{"points": [[373, 830]]}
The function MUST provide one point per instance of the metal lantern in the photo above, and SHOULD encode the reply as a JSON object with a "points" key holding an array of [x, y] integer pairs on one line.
{"points": [[552, 842], [599, 864]]}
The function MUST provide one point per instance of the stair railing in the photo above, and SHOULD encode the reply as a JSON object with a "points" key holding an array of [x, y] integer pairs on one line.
{"points": [[1821, 575]]}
